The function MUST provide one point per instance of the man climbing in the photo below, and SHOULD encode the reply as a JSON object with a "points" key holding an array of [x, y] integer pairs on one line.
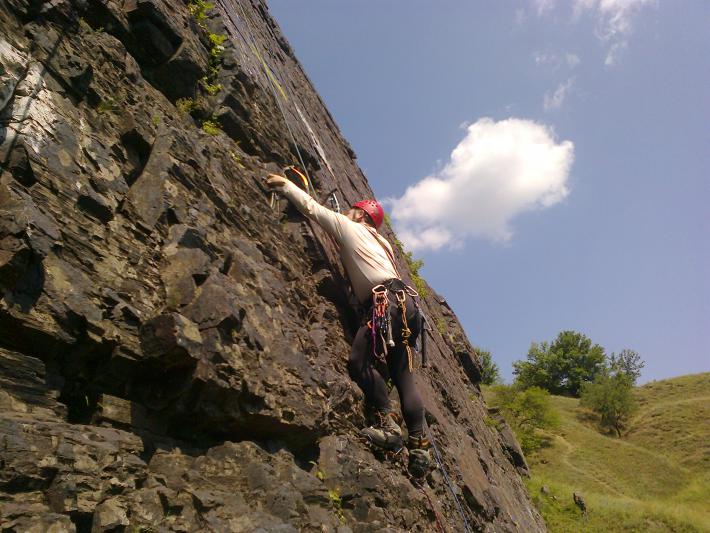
{"points": [[392, 321]]}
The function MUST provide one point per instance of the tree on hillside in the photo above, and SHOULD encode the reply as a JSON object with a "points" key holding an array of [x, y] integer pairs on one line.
{"points": [[611, 397], [561, 367], [527, 411], [490, 373], [628, 362]]}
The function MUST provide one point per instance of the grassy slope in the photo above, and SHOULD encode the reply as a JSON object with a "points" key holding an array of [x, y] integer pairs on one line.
{"points": [[655, 478]]}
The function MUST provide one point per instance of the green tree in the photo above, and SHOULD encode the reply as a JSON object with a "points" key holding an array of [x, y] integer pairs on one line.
{"points": [[528, 411], [628, 362], [611, 397], [490, 373], [562, 366]]}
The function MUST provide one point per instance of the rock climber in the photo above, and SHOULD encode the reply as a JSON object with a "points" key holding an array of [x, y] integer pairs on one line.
{"points": [[369, 262]]}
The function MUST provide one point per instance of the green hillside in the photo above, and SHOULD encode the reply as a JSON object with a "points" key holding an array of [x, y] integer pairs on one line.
{"points": [[655, 478]]}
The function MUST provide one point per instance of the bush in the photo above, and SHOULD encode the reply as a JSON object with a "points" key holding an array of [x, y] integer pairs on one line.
{"points": [[528, 411], [611, 397], [490, 373]]}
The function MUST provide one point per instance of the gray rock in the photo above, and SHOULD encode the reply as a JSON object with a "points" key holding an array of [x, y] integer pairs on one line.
{"points": [[172, 351]]}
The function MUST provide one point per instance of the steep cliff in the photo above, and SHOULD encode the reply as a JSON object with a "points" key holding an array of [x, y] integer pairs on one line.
{"points": [[172, 349]]}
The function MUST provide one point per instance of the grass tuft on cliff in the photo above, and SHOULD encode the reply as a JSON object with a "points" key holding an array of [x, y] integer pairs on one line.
{"points": [[656, 478]]}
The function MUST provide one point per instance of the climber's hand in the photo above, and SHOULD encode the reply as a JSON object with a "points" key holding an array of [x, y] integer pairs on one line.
{"points": [[274, 181]]}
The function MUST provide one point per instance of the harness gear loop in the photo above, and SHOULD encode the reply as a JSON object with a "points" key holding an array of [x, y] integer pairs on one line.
{"points": [[380, 321], [406, 332]]}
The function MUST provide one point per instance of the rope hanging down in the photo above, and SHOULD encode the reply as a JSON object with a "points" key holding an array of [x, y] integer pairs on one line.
{"points": [[269, 76], [440, 463]]}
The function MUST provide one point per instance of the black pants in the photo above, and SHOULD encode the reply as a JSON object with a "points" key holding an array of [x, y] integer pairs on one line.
{"points": [[362, 369]]}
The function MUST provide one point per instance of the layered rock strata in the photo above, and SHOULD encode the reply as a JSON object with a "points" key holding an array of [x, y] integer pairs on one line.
{"points": [[172, 349]]}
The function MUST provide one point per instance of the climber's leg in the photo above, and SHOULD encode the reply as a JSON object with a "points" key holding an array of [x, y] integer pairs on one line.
{"points": [[398, 365], [385, 432], [364, 373], [409, 397]]}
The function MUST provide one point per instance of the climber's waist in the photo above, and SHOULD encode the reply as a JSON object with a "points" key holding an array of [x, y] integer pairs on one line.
{"points": [[395, 284], [393, 287]]}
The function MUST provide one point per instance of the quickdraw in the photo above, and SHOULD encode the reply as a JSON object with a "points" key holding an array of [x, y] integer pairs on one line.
{"points": [[333, 201], [292, 170], [406, 332], [295, 176]]}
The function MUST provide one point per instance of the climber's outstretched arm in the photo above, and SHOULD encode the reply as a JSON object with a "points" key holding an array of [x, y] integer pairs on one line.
{"points": [[333, 223]]}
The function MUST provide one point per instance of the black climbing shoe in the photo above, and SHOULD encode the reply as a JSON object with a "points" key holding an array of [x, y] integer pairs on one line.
{"points": [[385, 432], [419, 458]]}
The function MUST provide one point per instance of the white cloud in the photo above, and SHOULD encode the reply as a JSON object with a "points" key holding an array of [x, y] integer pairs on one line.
{"points": [[543, 6], [498, 171], [554, 100], [545, 58], [550, 59], [572, 60], [614, 22]]}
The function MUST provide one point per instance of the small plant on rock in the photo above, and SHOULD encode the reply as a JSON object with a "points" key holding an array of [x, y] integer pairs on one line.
{"points": [[107, 105], [211, 126], [318, 472], [209, 81], [210, 88], [217, 40], [199, 9], [185, 105], [441, 326], [491, 422], [337, 502], [236, 159]]}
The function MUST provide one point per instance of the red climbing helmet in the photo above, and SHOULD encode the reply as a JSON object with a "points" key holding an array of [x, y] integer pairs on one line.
{"points": [[373, 209]]}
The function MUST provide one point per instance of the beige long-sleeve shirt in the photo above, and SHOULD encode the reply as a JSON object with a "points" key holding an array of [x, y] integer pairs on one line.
{"points": [[361, 247]]}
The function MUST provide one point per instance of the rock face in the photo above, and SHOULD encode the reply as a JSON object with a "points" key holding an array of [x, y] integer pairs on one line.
{"points": [[172, 350]]}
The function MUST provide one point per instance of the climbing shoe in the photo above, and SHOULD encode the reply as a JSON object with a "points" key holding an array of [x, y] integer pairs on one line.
{"points": [[385, 432], [419, 458]]}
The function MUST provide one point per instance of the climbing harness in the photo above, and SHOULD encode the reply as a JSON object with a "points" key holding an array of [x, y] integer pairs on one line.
{"points": [[380, 323]]}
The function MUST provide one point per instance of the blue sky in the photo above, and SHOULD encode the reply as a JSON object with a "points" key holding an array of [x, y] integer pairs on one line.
{"points": [[579, 193]]}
